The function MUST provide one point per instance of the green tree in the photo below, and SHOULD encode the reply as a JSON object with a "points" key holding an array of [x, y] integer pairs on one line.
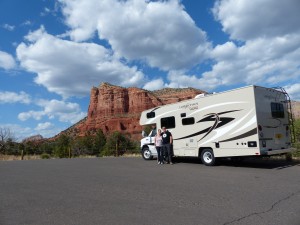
{"points": [[297, 130], [297, 138], [63, 146], [117, 144], [47, 147], [99, 142], [31, 148]]}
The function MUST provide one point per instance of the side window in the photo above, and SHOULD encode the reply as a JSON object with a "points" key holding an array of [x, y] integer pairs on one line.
{"points": [[150, 115], [277, 110], [168, 122], [188, 121]]}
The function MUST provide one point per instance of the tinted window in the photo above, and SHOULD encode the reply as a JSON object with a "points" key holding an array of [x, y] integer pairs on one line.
{"points": [[150, 115], [168, 122], [188, 121], [277, 110]]}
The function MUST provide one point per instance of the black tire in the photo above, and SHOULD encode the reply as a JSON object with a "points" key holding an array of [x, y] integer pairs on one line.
{"points": [[207, 157], [146, 153]]}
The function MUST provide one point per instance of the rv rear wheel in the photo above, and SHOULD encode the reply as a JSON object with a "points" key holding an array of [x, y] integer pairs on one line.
{"points": [[146, 153], [207, 157]]}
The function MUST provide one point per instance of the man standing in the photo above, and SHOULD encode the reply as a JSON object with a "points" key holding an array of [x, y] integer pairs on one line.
{"points": [[167, 140]]}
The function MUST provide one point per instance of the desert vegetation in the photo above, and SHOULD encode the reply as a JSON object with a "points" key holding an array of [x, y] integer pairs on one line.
{"points": [[64, 146]]}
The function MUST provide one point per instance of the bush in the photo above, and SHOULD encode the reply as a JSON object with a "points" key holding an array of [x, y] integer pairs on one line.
{"points": [[45, 156], [118, 144], [107, 151]]}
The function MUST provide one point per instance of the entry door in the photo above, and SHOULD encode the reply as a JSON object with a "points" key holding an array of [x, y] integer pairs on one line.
{"points": [[190, 147]]}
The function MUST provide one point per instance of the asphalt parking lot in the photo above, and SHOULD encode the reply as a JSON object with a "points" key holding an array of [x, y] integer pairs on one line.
{"points": [[134, 191]]}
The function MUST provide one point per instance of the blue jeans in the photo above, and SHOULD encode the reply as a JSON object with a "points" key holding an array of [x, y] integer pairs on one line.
{"points": [[167, 152], [159, 154]]}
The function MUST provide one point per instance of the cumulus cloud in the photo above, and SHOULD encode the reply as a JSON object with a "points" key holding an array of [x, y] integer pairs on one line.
{"points": [[63, 111], [154, 84], [37, 115], [44, 126], [13, 97], [71, 69], [244, 20], [6, 61], [270, 47], [178, 79], [294, 91], [8, 27], [20, 132], [159, 33]]}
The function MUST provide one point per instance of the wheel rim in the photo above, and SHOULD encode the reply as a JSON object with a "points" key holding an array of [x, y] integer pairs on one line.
{"points": [[147, 154], [207, 157]]}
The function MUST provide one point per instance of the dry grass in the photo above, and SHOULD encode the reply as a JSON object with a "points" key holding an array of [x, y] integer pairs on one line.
{"points": [[14, 157]]}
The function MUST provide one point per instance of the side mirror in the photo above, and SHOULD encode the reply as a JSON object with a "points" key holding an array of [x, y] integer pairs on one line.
{"points": [[144, 134]]}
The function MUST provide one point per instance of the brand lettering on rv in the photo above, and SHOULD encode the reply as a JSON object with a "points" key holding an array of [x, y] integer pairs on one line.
{"points": [[191, 106]]}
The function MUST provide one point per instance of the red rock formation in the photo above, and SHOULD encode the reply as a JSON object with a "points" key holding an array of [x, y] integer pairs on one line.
{"points": [[114, 108], [35, 138]]}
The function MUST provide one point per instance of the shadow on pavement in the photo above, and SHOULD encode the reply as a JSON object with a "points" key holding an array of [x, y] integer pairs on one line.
{"points": [[261, 163]]}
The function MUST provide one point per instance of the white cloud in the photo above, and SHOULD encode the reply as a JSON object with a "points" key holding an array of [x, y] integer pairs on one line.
{"points": [[27, 23], [63, 111], [154, 84], [71, 69], [244, 19], [37, 115], [13, 97], [270, 49], [6, 61], [160, 33], [8, 27], [44, 126], [21, 132], [293, 91], [178, 79]]}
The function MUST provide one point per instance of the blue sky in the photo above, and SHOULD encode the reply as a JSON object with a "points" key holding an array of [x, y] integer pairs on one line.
{"points": [[52, 52]]}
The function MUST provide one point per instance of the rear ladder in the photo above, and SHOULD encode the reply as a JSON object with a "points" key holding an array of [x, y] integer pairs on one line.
{"points": [[290, 112]]}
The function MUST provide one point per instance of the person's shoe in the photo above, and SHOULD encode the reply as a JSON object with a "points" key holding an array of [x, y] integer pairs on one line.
{"points": [[171, 163]]}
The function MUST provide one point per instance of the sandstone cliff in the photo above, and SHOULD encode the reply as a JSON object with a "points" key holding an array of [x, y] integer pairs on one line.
{"points": [[114, 108]]}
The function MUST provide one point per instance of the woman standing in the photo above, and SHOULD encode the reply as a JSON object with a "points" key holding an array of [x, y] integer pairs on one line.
{"points": [[158, 145]]}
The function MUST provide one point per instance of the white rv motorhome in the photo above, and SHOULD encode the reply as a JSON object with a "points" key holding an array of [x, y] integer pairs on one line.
{"points": [[248, 121]]}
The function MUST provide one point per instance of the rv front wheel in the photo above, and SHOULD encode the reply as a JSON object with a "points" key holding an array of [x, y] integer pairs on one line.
{"points": [[207, 157], [146, 153]]}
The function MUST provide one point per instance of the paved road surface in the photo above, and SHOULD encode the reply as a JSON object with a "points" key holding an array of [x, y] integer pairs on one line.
{"points": [[133, 191]]}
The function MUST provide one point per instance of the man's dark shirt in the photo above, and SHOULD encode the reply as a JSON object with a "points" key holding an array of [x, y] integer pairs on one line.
{"points": [[166, 137]]}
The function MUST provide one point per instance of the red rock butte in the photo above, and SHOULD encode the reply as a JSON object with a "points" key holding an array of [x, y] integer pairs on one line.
{"points": [[113, 108]]}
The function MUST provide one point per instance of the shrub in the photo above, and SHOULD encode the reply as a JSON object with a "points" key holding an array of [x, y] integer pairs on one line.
{"points": [[45, 156]]}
